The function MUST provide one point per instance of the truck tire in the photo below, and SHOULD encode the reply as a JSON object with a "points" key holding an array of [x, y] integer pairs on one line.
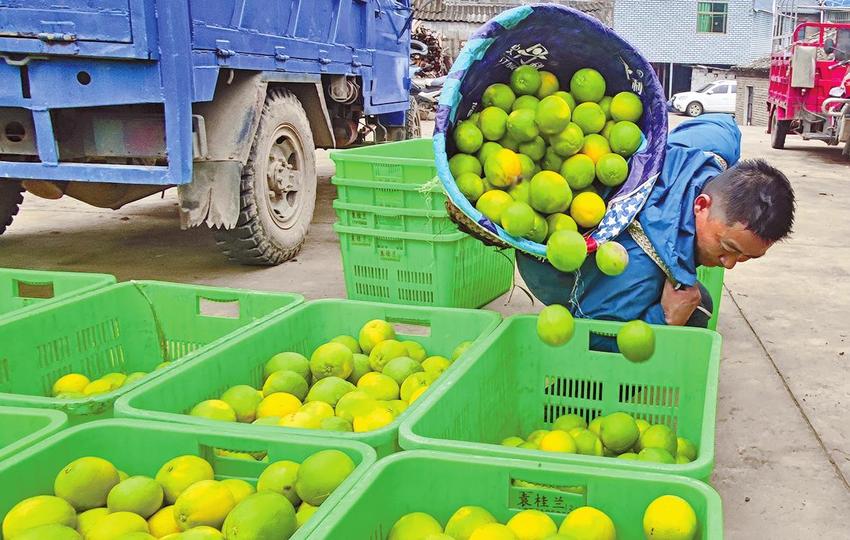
{"points": [[278, 190], [11, 197], [412, 128], [846, 151], [412, 122], [778, 132]]}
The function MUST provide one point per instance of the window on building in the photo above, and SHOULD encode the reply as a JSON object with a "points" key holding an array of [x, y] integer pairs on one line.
{"points": [[712, 17]]}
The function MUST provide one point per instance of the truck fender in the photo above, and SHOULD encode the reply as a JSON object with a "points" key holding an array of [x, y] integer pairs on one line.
{"points": [[224, 130]]}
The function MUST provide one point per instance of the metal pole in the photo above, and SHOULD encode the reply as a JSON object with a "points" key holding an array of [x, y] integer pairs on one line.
{"points": [[670, 84]]}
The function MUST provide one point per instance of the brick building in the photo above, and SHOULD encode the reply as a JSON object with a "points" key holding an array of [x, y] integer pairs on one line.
{"points": [[681, 36], [753, 83]]}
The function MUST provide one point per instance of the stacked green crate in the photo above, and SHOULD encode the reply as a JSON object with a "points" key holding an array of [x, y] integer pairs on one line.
{"points": [[398, 244]]}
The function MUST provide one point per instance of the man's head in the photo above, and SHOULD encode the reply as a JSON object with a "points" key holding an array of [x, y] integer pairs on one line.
{"points": [[741, 213]]}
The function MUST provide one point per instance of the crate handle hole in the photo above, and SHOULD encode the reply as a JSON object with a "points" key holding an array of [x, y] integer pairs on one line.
{"points": [[411, 328], [602, 342], [34, 290], [222, 309], [214, 452]]}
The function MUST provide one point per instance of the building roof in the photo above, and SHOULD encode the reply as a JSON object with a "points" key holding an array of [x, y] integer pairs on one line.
{"points": [[759, 65], [481, 12]]}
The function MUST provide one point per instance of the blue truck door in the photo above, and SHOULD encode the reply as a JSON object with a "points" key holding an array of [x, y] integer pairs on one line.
{"points": [[66, 20], [390, 74]]}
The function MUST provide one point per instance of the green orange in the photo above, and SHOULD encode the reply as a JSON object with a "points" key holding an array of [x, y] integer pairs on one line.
{"points": [[525, 102], [525, 80], [548, 84], [625, 138], [521, 125], [550, 192], [566, 250], [493, 203], [595, 146], [485, 151], [471, 185], [605, 105], [493, 122], [587, 85], [468, 138], [569, 141], [590, 117], [503, 168], [587, 209], [551, 160], [534, 149], [518, 219], [579, 171], [463, 163], [566, 96], [498, 95], [553, 115], [626, 106], [612, 169]]}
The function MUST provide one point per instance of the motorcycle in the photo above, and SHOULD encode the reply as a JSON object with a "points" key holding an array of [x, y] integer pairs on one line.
{"points": [[425, 90]]}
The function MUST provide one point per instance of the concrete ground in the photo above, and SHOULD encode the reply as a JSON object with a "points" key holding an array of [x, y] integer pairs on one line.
{"points": [[783, 430]]}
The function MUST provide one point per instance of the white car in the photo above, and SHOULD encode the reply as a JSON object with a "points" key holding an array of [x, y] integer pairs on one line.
{"points": [[715, 97]]}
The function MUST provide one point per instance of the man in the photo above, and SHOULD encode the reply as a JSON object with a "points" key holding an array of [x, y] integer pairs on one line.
{"points": [[699, 213]]}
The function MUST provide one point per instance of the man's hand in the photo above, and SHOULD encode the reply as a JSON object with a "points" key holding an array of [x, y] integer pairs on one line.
{"points": [[679, 305]]}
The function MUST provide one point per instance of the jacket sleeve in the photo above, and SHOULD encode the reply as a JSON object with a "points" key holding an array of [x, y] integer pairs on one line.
{"points": [[634, 294]]}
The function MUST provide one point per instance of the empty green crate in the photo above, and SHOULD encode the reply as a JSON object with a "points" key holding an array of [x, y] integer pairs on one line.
{"points": [[394, 219], [438, 484], [513, 384], [453, 270], [126, 328], [397, 175], [403, 162], [21, 428], [712, 279], [23, 289], [141, 448], [390, 194], [240, 361]]}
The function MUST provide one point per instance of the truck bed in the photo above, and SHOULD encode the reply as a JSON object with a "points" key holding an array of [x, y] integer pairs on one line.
{"points": [[166, 55]]}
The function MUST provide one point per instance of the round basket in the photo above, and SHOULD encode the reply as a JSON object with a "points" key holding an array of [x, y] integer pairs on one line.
{"points": [[561, 40]]}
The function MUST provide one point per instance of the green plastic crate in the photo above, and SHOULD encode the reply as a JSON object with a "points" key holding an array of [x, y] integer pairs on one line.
{"points": [[403, 162], [439, 484], [141, 448], [240, 361], [23, 289], [453, 270], [398, 175], [390, 194], [513, 384], [21, 428], [127, 327], [393, 219], [712, 279]]}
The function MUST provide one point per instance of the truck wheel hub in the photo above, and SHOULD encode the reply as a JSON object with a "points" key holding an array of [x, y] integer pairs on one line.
{"points": [[283, 175]]}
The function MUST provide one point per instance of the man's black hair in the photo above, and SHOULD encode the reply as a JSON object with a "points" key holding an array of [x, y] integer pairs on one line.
{"points": [[756, 194]]}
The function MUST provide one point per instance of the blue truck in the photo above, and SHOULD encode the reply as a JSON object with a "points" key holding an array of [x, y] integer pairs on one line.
{"points": [[110, 101]]}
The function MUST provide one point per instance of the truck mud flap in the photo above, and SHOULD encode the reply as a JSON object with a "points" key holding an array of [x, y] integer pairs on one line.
{"points": [[213, 195]]}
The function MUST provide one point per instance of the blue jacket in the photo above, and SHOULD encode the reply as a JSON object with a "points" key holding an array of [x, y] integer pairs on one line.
{"points": [[668, 221]]}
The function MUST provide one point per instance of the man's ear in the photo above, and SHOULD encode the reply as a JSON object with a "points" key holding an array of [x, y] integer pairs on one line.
{"points": [[702, 203]]}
